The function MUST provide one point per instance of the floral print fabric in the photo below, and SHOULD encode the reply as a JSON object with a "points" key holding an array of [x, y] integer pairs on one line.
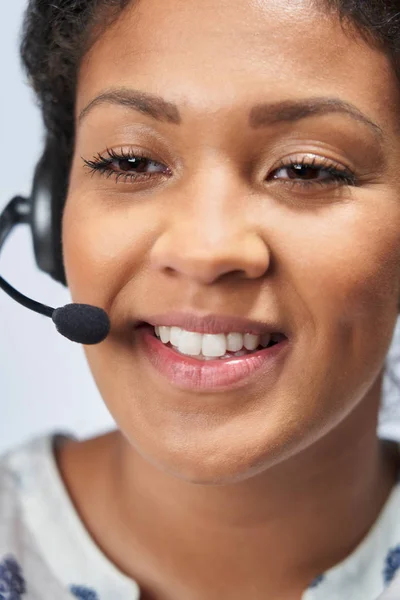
{"points": [[46, 553]]}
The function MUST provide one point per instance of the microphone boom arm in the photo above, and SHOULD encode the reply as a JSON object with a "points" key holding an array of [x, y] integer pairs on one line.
{"points": [[81, 323]]}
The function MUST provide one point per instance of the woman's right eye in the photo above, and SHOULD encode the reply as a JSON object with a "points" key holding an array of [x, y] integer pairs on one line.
{"points": [[126, 165]]}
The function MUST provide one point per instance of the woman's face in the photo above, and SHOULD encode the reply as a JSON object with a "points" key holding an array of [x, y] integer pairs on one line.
{"points": [[271, 192]]}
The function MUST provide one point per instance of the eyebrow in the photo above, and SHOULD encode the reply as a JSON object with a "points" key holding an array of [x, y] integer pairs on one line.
{"points": [[261, 115]]}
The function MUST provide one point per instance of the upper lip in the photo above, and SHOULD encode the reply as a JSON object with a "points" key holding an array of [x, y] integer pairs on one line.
{"points": [[212, 323]]}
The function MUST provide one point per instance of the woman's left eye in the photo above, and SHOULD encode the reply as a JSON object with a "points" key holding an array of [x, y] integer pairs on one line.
{"points": [[310, 174]]}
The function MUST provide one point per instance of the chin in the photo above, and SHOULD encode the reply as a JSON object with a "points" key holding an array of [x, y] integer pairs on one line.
{"points": [[218, 464], [209, 474]]}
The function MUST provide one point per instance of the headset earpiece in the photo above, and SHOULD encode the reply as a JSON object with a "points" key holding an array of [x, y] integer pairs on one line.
{"points": [[47, 200]]}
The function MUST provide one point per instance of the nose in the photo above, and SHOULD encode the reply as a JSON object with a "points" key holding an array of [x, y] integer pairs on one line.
{"points": [[211, 233]]}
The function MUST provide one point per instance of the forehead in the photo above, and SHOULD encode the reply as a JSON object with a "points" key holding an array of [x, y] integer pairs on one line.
{"points": [[217, 53]]}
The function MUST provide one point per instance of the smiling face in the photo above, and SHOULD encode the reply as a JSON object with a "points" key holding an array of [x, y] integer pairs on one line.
{"points": [[271, 192]]}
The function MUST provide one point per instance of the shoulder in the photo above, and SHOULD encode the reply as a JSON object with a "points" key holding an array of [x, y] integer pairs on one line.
{"points": [[13, 470], [22, 470], [21, 558], [10, 509], [19, 469]]}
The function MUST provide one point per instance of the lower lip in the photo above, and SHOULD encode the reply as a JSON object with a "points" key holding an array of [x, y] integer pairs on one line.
{"points": [[193, 374]]}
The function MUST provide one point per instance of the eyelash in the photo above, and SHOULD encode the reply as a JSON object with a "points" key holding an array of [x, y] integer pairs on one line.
{"points": [[338, 174], [102, 165]]}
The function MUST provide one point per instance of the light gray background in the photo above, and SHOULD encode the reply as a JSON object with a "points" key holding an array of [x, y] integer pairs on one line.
{"points": [[45, 383]]}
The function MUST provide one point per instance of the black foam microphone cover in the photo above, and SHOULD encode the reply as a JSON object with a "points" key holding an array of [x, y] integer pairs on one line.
{"points": [[82, 323]]}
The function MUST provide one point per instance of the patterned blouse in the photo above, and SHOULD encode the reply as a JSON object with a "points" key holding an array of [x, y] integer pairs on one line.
{"points": [[47, 554]]}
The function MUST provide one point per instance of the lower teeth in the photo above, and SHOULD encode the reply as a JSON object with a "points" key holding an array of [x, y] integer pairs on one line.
{"points": [[228, 355]]}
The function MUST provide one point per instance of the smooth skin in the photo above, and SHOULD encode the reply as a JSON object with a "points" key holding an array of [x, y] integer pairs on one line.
{"points": [[254, 492]]}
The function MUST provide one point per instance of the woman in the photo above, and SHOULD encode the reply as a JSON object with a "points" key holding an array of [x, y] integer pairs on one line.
{"points": [[233, 205]]}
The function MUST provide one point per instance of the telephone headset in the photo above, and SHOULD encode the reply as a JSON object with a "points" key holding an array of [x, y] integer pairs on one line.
{"points": [[42, 212]]}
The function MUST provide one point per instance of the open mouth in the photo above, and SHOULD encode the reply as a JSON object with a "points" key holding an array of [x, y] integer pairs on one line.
{"points": [[211, 362], [213, 347]]}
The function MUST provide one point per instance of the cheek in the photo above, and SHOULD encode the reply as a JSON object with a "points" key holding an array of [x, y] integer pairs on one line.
{"points": [[349, 272], [104, 247], [344, 279]]}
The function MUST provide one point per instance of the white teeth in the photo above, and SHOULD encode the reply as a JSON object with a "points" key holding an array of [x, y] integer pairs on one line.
{"points": [[165, 334], [175, 336], [234, 342], [212, 345], [251, 342], [190, 343]]}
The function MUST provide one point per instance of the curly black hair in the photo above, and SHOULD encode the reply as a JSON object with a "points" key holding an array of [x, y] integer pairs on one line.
{"points": [[57, 33]]}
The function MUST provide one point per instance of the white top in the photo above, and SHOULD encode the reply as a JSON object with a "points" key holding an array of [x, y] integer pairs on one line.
{"points": [[46, 553]]}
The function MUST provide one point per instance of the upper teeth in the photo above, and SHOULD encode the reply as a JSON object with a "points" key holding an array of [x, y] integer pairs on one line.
{"points": [[212, 345]]}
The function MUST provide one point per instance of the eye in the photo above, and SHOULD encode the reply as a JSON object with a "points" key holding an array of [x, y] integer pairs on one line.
{"points": [[313, 171], [127, 165], [136, 164]]}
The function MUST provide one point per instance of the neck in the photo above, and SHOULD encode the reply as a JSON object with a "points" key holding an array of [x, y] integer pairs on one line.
{"points": [[305, 514]]}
